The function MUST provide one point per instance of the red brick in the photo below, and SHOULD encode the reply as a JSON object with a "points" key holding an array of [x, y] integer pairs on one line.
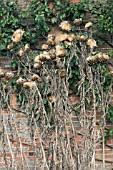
{"points": [[110, 151], [75, 1], [22, 140], [100, 156], [110, 157], [6, 112], [78, 128], [89, 112], [98, 152], [79, 138], [37, 142], [106, 148], [74, 98], [109, 141], [98, 147], [53, 133], [26, 154], [8, 154], [16, 144], [50, 157], [1, 158], [33, 158], [109, 166], [18, 159], [2, 164], [13, 101]]}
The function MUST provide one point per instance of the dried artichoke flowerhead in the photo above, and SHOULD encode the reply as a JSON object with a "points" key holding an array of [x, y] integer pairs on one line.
{"points": [[17, 35]]}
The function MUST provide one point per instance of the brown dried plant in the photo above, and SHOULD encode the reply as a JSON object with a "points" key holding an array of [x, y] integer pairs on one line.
{"points": [[47, 108]]}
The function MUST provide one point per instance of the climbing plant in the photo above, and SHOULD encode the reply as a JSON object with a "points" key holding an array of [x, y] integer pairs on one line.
{"points": [[67, 62], [101, 15], [46, 14], [45, 80], [10, 17], [41, 19]]}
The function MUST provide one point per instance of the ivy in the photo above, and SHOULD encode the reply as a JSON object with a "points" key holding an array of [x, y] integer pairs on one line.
{"points": [[10, 17], [44, 17], [101, 14]]}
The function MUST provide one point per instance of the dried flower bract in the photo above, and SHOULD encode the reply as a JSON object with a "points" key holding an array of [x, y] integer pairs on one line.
{"points": [[52, 99], [61, 37], [105, 56], [1, 73], [35, 77], [45, 47], [45, 56], [27, 48], [71, 37], [91, 59], [81, 38], [9, 75], [29, 84], [37, 65], [67, 43], [20, 81], [88, 25], [21, 52], [91, 43], [17, 35], [10, 46], [65, 26], [37, 59], [52, 53], [63, 73], [98, 58], [78, 21], [60, 52], [50, 39]]}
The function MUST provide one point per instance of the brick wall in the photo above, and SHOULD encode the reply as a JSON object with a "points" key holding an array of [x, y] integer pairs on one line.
{"points": [[22, 144], [107, 151]]}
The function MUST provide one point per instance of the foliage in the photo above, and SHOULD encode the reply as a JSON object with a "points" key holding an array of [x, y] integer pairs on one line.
{"points": [[41, 19], [44, 80], [44, 16], [101, 14], [110, 113], [10, 17]]}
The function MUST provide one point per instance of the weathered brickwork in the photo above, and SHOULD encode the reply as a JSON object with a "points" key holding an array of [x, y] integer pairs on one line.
{"points": [[21, 145]]}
